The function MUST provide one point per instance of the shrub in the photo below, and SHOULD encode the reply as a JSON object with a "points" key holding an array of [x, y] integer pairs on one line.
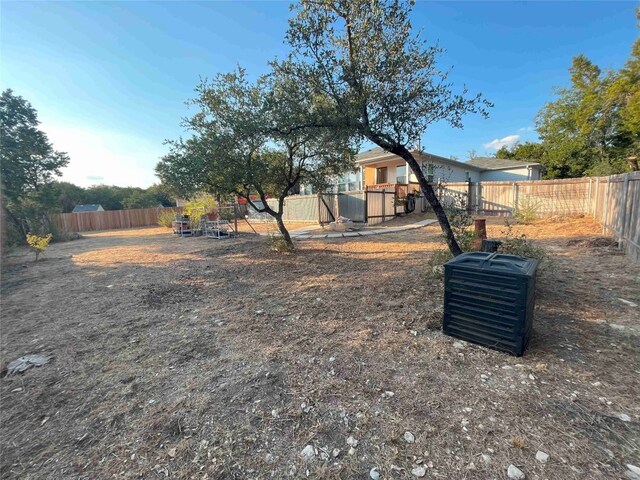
{"points": [[518, 244], [461, 220], [166, 218], [278, 244], [38, 244], [526, 210], [197, 207]]}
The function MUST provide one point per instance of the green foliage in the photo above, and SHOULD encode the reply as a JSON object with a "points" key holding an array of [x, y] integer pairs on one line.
{"points": [[278, 244], [527, 210], [254, 139], [594, 124], [380, 79], [461, 220], [166, 218], [28, 163], [200, 205], [518, 244], [531, 151], [38, 244]]}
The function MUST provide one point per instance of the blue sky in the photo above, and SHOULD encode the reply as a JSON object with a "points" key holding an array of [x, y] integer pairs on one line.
{"points": [[110, 80]]}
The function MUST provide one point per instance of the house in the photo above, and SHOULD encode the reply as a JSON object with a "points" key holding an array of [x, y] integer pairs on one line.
{"points": [[377, 169], [92, 207]]}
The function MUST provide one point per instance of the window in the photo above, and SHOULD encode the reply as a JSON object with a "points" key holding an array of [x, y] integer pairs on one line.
{"points": [[349, 182], [428, 169], [401, 174], [381, 175]]}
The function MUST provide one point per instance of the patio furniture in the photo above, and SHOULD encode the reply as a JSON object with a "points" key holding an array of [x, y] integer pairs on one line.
{"points": [[182, 226], [218, 229]]}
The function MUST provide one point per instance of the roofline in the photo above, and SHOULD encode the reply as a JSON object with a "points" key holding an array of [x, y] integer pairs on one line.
{"points": [[422, 155], [513, 166]]}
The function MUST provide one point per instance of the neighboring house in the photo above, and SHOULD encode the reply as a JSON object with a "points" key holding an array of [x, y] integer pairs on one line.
{"points": [[498, 169], [378, 169], [92, 207]]}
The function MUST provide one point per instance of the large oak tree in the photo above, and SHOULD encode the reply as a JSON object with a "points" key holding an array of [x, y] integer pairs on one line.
{"points": [[380, 76]]}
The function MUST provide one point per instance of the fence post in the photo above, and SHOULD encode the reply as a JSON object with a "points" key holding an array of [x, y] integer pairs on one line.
{"points": [[605, 205], [235, 217], [623, 220], [595, 199], [384, 201], [366, 206], [515, 197], [587, 209]]}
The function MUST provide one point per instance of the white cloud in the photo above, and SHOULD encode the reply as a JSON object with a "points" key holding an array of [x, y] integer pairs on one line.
{"points": [[507, 141], [105, 156], [526, 129]]}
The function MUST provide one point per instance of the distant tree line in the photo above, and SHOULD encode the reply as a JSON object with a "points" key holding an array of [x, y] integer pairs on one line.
{"points": [[28, 167], [593, 126], [63, 196]]}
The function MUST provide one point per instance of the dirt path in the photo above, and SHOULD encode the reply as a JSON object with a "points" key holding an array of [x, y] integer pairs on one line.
{"points": [[195, 358]]}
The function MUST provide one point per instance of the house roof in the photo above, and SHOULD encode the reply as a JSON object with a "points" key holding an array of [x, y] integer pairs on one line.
{"points": [[90, 207], [377, 154], [488, 163], [479, 163]]}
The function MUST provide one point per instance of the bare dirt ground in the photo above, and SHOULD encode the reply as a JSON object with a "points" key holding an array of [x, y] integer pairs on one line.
{"points": [[196, 358]]}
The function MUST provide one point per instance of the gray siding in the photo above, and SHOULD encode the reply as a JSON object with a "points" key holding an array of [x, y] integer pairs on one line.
{"points": [[510, 175]]}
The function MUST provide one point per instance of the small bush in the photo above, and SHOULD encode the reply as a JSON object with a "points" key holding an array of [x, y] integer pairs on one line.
{"points": [[460, 220], [278, 244], [166, 218], [38, 244], [200, 205], [518, 244], [527, 210]]}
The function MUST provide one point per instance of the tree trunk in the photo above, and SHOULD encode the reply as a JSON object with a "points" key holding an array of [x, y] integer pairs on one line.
{"points": [[284, 231], [431, 197]]}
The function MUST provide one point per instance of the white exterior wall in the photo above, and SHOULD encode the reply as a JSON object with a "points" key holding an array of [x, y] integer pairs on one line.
{"points": [[450, 173], [510, 175]]}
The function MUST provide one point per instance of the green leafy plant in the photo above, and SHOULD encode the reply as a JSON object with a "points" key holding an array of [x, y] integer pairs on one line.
{"points": [[517, 244], [38, 244], [198, 206], [461, 220], [166, 218], [278, 244], [526, 210]]}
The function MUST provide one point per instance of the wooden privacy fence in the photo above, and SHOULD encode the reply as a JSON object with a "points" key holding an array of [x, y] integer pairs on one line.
{"points": [[613, 201], [109, 220]]}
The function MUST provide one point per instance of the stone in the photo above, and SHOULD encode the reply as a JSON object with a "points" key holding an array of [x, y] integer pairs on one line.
{"points": [[515, 473], [627, 302], [458, 345], [419, 471], [542, 457], [388, 394], [409, 437], [374, 474], [308, 453], [269, 458], [486, 459], [471, 466], [352, 442], [259, 312], [624, 417], [633, 472], [24, 363], [335, 452]]}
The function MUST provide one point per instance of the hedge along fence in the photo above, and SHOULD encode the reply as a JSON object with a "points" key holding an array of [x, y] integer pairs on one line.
{"points": [[613, 201], [109, 220]]}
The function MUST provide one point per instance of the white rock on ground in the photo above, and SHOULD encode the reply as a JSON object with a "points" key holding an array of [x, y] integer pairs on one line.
{"points": [[633, 473], [419, 471], [486, 459], [624, 417], [373, 473], [409, 437], [542, 457], [335, 452], [458, 345], [352, 442], [515, 473], [308, 453]]}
